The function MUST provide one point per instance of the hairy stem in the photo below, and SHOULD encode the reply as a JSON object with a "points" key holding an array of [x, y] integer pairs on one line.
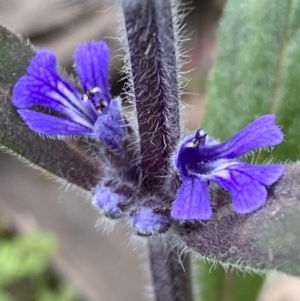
{"points": [[170, 278], [152, 55]]}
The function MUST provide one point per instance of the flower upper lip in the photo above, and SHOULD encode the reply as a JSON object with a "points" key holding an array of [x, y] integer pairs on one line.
{"points": [[44, 87]]}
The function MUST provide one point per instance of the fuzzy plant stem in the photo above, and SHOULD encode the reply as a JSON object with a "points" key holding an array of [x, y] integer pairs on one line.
{"points": [[152, 55], [171, 274], [152, 61]]}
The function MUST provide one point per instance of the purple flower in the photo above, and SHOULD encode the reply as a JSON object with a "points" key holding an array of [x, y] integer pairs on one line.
{"points": [[92, 113], [199, 162]]}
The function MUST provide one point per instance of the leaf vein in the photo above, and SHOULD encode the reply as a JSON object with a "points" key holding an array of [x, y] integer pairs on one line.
{"points": [[281, 60]]}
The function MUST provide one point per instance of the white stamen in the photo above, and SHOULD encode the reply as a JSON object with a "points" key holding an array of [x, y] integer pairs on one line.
{"points": [[94, 90], [190, 145], [105, 103], [85, 97], [202, 133]]}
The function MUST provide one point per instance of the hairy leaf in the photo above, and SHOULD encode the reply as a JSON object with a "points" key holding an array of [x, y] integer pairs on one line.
{"points": [[61, 158], [266, 239]]}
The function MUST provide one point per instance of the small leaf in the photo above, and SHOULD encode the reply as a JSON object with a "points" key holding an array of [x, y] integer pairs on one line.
{"points": [[61, 158]]}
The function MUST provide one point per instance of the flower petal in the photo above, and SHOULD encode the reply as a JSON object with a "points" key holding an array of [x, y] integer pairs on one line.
{"points": [[110, 126], [52, 125], [92, 63], [246, 183], [262, 132], [44, 87], [192, 201]]}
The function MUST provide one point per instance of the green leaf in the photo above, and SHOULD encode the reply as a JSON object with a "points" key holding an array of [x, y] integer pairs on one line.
{"points": [[217, 284], [257, 71], [5, 296], [25, 255], [63, 292], [61, 158]]}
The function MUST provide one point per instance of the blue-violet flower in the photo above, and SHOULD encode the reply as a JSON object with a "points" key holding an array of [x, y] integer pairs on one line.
{"points": [[92, 113], [199, 162]]}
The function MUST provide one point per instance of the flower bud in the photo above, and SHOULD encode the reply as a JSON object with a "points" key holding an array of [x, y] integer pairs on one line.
{"points": [[113, 198], [151, 218]]}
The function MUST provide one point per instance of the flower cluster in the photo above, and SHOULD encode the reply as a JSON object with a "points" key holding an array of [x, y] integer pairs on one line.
{"points": [[92, 113], [50, 105], [200, 160]]}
